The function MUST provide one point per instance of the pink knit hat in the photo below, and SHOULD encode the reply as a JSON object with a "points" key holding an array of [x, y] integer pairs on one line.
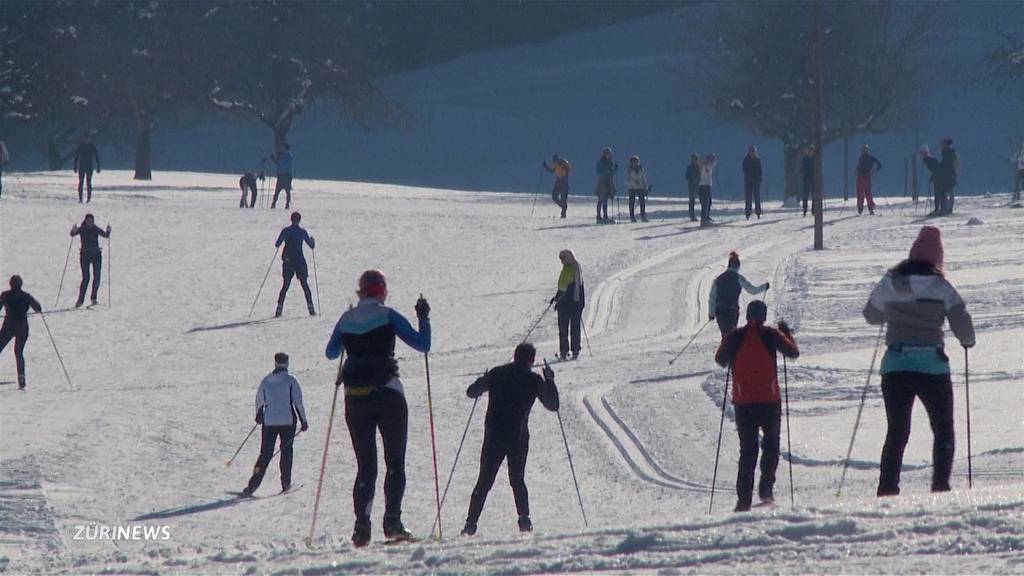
{"points": [[928, 246]]}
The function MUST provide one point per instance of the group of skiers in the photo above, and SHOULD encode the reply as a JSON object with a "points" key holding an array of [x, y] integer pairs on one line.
{"points": [[944, 173], [248, 183]]}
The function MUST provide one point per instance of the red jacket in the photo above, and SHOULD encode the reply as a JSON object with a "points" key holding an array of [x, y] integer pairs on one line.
{"points": [[751, 352]]}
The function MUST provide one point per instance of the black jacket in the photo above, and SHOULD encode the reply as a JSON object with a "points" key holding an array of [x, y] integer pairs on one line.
{"points": [[512, 390], [751, 169], [17, 303], [692, 173], [90, 237], [85, 155], [866, 164]]}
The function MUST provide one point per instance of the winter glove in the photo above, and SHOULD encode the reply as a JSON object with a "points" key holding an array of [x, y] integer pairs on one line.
{"points": [[711, 317], [549, 374], [784, 328], [422, 308], [553, 299], [74, 228], [305, 426], [108, 229], [259, 417], [767, 285], [967, 345]]}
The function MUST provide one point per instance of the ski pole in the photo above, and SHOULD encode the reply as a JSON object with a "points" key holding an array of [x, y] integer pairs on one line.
{"points": [[267, 275], [109, 301], [721, 426], [57, 352], [694, 337], [536, 191], [323, 461], [537, 323], [316, 282], [235, 455], [586, 337], [66, 260], [860, 409], [789, 439], [572, 469], [433, 442], [444, 496], [967, 395]]}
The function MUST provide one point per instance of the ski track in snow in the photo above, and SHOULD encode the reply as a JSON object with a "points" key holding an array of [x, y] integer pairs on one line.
{"points": [[141, 442]]}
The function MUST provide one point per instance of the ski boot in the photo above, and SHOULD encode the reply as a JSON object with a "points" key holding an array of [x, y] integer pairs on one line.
{"points": [[525, 525], [79, 303], [361, 533], [280, 307], [93, 302], [741, 507], [469, 529], [394, 529], [21, 381]]}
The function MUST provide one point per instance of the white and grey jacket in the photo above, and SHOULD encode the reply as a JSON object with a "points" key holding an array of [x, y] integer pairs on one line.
{"points": [[636, 179], [915, 301], [280, 399]]}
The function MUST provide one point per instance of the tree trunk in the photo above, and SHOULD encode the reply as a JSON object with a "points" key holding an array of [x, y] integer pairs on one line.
{"points": [[143, 148], [281, 134], [53, 160], [817, 115], [791, 159]]}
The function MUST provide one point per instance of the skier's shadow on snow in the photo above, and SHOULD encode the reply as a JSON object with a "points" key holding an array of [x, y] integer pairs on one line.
{"points": [[192, 509]]}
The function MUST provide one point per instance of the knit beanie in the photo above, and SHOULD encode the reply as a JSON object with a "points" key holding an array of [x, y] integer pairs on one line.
{"points": [[928, 246]]}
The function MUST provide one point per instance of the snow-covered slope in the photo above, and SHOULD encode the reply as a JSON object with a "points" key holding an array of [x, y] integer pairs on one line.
{"points": [[164, 375]]}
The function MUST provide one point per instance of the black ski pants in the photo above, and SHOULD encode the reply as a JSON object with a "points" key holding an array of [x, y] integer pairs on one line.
{"points": [[692, 185], [89, 260], [283, 182], [269, 440], [560, 193], [808, 189], [383, 409], [289, 270], [569, 325], [85, 176], [936, 393], [248, 189], [727, 319], [19, 332], [491, 456], [751, 419], [705, 203], [752, 193], [634, 195]]}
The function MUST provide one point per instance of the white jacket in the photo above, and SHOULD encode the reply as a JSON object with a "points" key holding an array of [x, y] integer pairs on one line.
{"points": [[636, 180], [280, 397], [707, 172]]}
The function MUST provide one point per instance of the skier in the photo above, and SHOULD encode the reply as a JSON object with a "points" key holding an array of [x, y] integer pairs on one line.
{"points": [[283, 160], [561, 168], [807, 170], [606, 169], [931, 164], [278, 409], [692, 182], [89, 255], [946, 175], [248, 185], [85, 156], [752, 181], [724, 300], [1019, 184], [5, 159], [511, 390], [751, 353], [569, 302], [16, 303], [374, 397], [637, 186], [867, 165], [914, 299], [707, 173], [293, 262]]}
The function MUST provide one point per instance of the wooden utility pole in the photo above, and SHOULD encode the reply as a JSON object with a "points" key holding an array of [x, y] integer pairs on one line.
{"points": [[817, 49]]}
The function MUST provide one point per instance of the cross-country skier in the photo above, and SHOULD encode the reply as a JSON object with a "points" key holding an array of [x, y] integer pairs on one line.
{"points": [[511, 391], [561, 168], [1019, 184], [569, 302], [375, 399], [707, 180], [867, 165], [692, 182], [637, 186], [914, 299], [946, 176], [89, 255], [248, 185], [16, 303], [751, 353], [278, 409], [293, 262], [282, 158], [752, 182], [724, 300], [606, 169], [86, 155], [5, 159], [807, 171]]}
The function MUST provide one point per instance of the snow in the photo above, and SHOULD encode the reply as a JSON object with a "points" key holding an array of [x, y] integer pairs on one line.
{"points": [[163, 382]]}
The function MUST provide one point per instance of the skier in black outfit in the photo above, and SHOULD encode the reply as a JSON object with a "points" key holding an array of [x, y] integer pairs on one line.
{"points": [[278, 409], [17, 302], [375, 398], [807, 170], [248, 185], [89, 255], [752, 181], [512, 390], [85, 156], [293, 262], [692, 181], [724, 300]]}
